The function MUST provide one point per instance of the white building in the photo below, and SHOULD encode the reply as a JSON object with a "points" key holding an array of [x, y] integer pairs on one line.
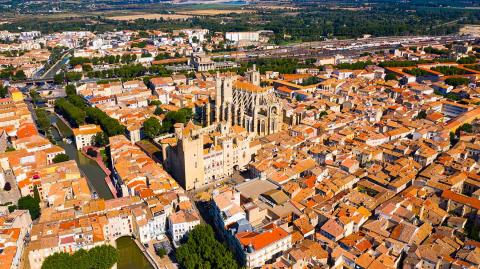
{"points": [[180, 223], [260, 247], [84, 135], [238, 37]]}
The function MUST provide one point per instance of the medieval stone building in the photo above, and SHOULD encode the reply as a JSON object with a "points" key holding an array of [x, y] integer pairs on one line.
{"points": [[247, 104]]}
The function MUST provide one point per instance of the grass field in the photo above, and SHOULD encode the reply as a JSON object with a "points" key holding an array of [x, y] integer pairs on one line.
{"points": [[153, 16], [213, 12]]}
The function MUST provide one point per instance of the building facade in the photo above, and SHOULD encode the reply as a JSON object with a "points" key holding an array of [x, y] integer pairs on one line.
{"points": [[247, 104]]}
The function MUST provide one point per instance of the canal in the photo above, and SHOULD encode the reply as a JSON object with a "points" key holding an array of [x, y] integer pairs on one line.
{"points": [[91, 170], [130, 256]]}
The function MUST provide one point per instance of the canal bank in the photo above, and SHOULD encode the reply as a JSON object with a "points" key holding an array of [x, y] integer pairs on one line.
{"points": [[94, 174]]}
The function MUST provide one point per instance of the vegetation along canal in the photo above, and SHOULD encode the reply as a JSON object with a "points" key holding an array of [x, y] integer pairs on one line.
{"points": [[89, 168]]}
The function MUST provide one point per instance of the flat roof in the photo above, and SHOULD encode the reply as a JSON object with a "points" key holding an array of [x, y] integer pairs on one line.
{"points": [[253, 188]]}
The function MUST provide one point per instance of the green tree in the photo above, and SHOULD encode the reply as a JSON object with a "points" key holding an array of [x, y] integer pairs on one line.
{"points": [[3, 91], [457, 81], [74, 115], [35, 96], [19, 75], [467, 128], [59, 260], [158, 111], [181, 116], [36, 194], [61, 158], [161, 252], [109, 125], [31, 204], [202, 250], [42, 120], [422, 114], [70, 89], [100, 139], [390, 76], [467, 60], [59, 78], [152, 127], [99, 257]]}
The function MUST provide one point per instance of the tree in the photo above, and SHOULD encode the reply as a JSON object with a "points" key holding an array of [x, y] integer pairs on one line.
{"points": [[7, 186], [390, 76], [99, 257], [109, 125], [158, 111], [453, 139], [61, 158], [92, 153], [35, 96], [42, 120], [36, 194], [457, 81], [202, 250], [70, 89], [181, 116], [467, 128], [422, 114], [100, 139], [311, 81], [152, 127], [59, 78], [31, 204], [161, 252], [74, 115], [3, 91], [467, 60], [19, 75]]}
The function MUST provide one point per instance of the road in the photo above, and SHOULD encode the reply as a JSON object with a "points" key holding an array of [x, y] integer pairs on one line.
{"points": [[50, 73]]}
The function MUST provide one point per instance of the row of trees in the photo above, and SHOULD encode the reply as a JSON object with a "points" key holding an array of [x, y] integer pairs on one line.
{"points": [[108, 124], [99, 257], [130, 71], [417, 72], [76, 112], [74, 115], [13, 74], [432, 50], [457, 81], [67, 77], [284, 66], [449, 70], [354, 66], [110, 59], [43, 121], [467, 60]]}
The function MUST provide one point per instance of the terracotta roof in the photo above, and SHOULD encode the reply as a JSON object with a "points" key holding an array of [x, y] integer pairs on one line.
{"points": [[470, 201], [261, 240]]}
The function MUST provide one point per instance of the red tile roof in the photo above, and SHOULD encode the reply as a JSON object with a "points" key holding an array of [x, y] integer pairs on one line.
{"points": [[261, 240], [470, 201]]}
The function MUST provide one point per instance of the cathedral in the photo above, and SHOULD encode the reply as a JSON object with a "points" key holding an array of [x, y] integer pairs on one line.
{"points": [[247, 104]]}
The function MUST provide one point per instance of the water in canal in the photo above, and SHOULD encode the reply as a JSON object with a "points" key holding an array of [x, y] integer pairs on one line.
{"points": [[130, 256], [94, 174]]}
